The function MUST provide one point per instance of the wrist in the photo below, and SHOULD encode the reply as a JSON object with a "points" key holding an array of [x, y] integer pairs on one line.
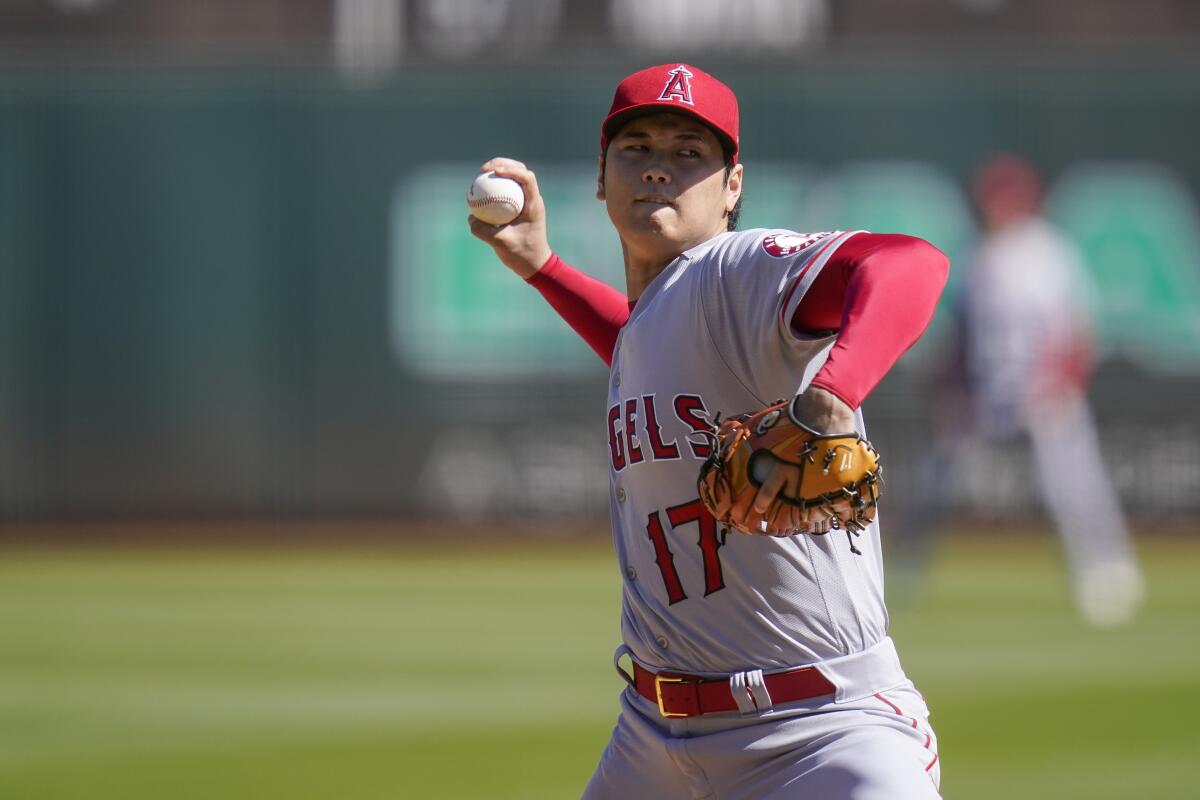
{"points": [[545, 270], [822, 411], [528, 264], [822, 383]]}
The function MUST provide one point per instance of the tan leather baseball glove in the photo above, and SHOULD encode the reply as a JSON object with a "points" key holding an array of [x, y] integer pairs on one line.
{"points": [[831, 480]]}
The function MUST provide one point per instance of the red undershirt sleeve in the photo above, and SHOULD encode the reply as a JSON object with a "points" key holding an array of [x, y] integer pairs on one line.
{"points": [[879, 291], [595, 310]]}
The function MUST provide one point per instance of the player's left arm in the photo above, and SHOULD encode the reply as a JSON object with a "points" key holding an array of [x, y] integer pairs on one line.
{"points": [[879, 291]]}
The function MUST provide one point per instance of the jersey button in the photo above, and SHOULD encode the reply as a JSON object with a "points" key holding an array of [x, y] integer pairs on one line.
{"points": [[630, 572], [616, 380], [620, 494], [661, 641]]}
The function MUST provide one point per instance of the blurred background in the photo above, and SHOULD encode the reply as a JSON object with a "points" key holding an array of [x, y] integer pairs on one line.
{"points": [[301, 492]]}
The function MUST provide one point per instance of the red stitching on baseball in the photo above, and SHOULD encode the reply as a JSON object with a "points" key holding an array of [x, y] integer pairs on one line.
{"points": [[488, 201]]}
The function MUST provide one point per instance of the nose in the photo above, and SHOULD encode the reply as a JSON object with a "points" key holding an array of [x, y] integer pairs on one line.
{"points": [[655, 175]]}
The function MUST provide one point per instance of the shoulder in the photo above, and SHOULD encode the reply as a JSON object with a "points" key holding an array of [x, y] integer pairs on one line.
{"points": [[771, 246]]}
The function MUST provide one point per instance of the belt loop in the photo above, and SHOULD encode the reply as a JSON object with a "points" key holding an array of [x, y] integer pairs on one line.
{"points": [[623, 650], [749, 691], [757, 685]]}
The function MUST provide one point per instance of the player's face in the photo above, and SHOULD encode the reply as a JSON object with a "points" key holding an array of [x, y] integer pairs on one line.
{"points": [[663, 180]]}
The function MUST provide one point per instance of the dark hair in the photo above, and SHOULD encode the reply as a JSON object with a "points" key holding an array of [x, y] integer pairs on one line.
{"points": [[731, 220]]}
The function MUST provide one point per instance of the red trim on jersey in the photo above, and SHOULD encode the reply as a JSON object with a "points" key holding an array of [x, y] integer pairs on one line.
{"points": [[595, 310], [796, 281], [879, 291]]}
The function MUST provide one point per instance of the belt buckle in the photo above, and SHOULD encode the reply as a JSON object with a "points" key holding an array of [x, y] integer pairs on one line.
{"points": [[659, 680]]}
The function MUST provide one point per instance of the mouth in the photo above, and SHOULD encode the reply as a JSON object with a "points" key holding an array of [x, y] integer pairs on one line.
{"points": [[654, 200]]}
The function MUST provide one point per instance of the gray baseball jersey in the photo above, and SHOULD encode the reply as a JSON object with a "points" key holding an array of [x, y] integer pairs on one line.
{"points": [[709, 335]]}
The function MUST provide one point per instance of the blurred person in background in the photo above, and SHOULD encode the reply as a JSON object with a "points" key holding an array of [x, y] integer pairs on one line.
{"points": [[1021, 370]]}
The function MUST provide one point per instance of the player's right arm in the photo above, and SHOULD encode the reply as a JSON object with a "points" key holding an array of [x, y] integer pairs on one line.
{"points": [[522, 245], [593, 309]]}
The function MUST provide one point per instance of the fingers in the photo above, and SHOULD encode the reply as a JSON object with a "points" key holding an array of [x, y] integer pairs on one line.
{"points": [[782, 478], [482, 230], [795, 519], [769, 491], [766, 503], [510, 168], [741, 511]]}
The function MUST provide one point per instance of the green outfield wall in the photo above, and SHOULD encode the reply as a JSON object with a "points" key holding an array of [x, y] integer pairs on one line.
{"points": [[232, 293]]}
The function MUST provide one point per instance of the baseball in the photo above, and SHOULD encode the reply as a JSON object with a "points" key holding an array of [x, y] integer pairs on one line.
{"points": [[495, 200]]}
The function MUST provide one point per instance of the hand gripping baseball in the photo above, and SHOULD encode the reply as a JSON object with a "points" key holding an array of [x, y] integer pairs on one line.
{"points": [[771, 474], [521, 244]]}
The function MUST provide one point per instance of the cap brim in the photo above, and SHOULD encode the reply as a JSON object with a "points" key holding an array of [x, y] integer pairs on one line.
{"points": [[613, 123]]}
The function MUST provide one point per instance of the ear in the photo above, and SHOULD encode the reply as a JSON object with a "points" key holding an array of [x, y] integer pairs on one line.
{"points": [[600, 177], [733, 188]]}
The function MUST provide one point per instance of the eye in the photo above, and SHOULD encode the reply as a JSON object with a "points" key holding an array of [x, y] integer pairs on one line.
{"points": [[689, 153]]}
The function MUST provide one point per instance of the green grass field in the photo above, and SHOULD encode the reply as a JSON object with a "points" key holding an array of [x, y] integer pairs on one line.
{"points": [[479, 672]]}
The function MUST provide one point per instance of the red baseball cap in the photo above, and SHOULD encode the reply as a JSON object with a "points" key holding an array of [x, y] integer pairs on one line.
{"points": [[676, 87]]}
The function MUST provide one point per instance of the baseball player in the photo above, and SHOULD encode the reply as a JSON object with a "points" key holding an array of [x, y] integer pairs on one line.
{"points": [[1026, 359], [759, 666]]}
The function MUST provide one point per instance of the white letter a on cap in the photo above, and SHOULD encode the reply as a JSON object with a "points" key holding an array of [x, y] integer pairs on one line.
{"points": [[679, 86]]}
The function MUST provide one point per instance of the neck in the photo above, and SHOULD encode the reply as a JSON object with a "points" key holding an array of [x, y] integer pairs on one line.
{"points": [[642, 267]]}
